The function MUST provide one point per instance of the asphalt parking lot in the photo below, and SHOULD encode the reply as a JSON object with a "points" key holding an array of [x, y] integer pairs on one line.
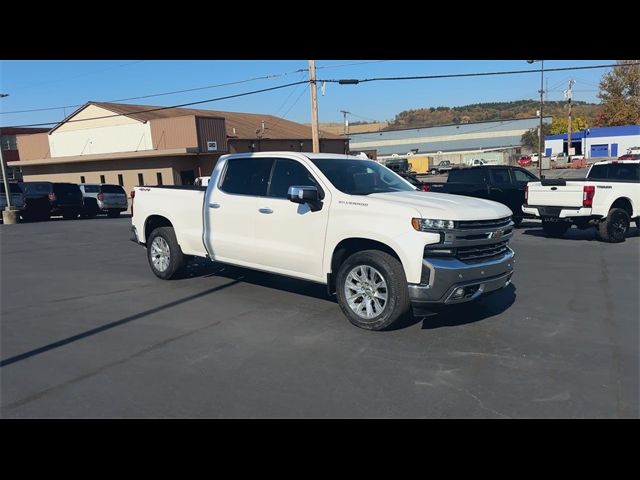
{"points": [[89, 332]]}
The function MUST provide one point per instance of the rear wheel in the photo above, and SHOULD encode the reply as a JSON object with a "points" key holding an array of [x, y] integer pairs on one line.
{"points": [[555, 229], [614, 228], [372, 290], [164, 254]]}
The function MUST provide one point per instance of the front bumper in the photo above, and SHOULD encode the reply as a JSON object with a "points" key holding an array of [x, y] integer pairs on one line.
{"points": [[447, 275]]}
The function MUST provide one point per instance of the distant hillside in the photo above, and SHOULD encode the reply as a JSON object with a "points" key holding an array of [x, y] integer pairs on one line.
{"points": [[479, 112], [338, 128]]}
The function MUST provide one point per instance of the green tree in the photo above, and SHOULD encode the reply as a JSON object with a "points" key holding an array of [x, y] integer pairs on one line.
{"points": [[529, 138], [620, 96], [561, 125]]}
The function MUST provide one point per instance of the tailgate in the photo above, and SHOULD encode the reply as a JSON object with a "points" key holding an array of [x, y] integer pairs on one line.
{"points": [[569, 195]]}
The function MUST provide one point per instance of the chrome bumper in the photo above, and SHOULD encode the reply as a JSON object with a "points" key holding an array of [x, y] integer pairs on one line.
{"points": [[446, 275]]}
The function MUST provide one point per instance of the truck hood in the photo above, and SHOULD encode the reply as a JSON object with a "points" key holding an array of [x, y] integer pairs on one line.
{"points": [[443, 206]]}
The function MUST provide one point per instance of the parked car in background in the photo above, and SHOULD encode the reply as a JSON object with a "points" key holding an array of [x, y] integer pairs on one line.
{"points": [[110, 199], [633, 151], [630, 156], [608, 199], [398, 165], [476, 162], [534, 157], [500, 183], [443, 166], [44, 199], [201, 181], [525, 161], [15, 195]]}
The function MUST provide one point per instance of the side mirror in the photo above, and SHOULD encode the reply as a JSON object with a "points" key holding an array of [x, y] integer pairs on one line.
{"points": [[305, 194]]}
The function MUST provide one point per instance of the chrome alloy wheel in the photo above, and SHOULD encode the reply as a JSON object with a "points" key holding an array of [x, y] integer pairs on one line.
{"points": [[160, 254], [366, 291]]}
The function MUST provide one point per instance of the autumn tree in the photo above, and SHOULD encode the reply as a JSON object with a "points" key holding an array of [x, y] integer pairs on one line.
{"points": [[561, 125], [529, 138], [620, 96]]}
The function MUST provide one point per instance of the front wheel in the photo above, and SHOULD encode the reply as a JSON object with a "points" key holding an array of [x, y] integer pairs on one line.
{"points": [[614, 228], [372, 290], [555, 229], [164, 254]]}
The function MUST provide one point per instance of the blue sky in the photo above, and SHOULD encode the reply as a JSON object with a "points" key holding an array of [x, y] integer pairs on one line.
{"points": [[52, 83]]}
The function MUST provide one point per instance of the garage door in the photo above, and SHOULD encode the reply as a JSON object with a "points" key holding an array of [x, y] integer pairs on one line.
{"points": [[599, 150]]}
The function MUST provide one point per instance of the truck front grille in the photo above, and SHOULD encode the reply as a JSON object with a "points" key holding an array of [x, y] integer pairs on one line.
{"points": [[483, 224], [481, 252]]}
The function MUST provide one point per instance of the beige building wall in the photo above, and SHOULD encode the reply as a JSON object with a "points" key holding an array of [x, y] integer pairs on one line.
{"points": [[174, 132], [33, 147], [106, 135]]}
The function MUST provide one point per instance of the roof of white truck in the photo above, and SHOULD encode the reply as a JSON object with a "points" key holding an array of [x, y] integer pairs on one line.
{"points": [[606, 162]]}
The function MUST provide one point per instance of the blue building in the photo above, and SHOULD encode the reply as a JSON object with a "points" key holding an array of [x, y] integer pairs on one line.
{"points": [[596, 142], [458, 138]]}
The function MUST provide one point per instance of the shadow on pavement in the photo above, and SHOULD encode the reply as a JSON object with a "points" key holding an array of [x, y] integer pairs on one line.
{"points": [[201, 267], [462, 314], [576, 234]]}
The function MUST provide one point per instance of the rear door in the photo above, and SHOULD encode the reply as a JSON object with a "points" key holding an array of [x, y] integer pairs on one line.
{"points": [[231, 210], [502, 188]]}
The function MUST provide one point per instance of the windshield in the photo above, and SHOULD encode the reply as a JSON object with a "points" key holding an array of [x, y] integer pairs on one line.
{"points": [[361, 177]]}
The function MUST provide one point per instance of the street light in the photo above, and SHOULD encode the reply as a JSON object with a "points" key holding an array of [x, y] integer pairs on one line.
{"points": [[540, 141]]}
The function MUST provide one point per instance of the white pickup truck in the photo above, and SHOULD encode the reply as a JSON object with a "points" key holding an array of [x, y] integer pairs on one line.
{"points": [[375, 240], [608, 199]]}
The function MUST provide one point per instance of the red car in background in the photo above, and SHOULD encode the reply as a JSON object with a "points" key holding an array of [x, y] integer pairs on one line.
{"points": [[525, 161], [629, 156]]}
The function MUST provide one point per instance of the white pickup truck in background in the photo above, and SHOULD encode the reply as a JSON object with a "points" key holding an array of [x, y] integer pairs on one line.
{"points": [[607, 199], [376, 241]]}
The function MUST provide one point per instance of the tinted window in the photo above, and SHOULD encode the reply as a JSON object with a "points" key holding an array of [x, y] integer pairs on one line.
{"points": [[248, 176], [361, 177], [91, 189], [287, 173], [39, 187], [66, 188], [13, 188], [616, 171], [522, 176], [500, 176], [112, 189], [467, 175]]}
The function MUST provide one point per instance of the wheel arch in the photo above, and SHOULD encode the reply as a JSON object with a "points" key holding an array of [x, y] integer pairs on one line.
{"points": [[624, 203], [155, 221]]}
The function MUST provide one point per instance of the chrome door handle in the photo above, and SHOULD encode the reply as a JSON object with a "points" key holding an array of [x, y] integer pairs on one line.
{"points": [[214, 205], [265, 210]]}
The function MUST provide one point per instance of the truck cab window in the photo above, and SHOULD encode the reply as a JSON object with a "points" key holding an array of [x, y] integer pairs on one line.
{"points": [[287, 173], [247, 176]]}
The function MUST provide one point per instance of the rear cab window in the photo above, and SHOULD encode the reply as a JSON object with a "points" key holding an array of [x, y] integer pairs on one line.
{"points": [[113, 189], [467, 175], [616, 171]]}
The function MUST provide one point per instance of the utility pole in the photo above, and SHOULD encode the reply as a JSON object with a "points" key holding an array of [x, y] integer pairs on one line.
{"points": [[569, 94], [346, 123], [540, 139], [314, 106], [9, 215]]}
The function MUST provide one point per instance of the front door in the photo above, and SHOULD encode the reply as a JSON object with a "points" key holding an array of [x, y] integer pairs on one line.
{"points": [[502, 190], [231, 211], [291, 235]]}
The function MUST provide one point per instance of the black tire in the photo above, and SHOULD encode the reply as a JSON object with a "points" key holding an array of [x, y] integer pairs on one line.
{"points": [[397, 302], [176, 257], [113, 213], [614, 227], [555, 229], [517, 221], [72, 215]]}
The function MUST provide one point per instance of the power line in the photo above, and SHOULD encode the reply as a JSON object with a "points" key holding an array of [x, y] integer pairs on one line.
{"points": [[156, 109], [264, 77], [354, 81], [340, 65]]}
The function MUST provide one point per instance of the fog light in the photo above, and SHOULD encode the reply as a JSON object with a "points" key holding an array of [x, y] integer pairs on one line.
{"points": [[458, 293]]}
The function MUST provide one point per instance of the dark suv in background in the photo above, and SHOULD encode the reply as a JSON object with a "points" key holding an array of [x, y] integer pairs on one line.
{"points": [[44, 199]]}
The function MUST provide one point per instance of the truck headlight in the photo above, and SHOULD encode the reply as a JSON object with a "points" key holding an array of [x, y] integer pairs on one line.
{"points": [[427, 224]]}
